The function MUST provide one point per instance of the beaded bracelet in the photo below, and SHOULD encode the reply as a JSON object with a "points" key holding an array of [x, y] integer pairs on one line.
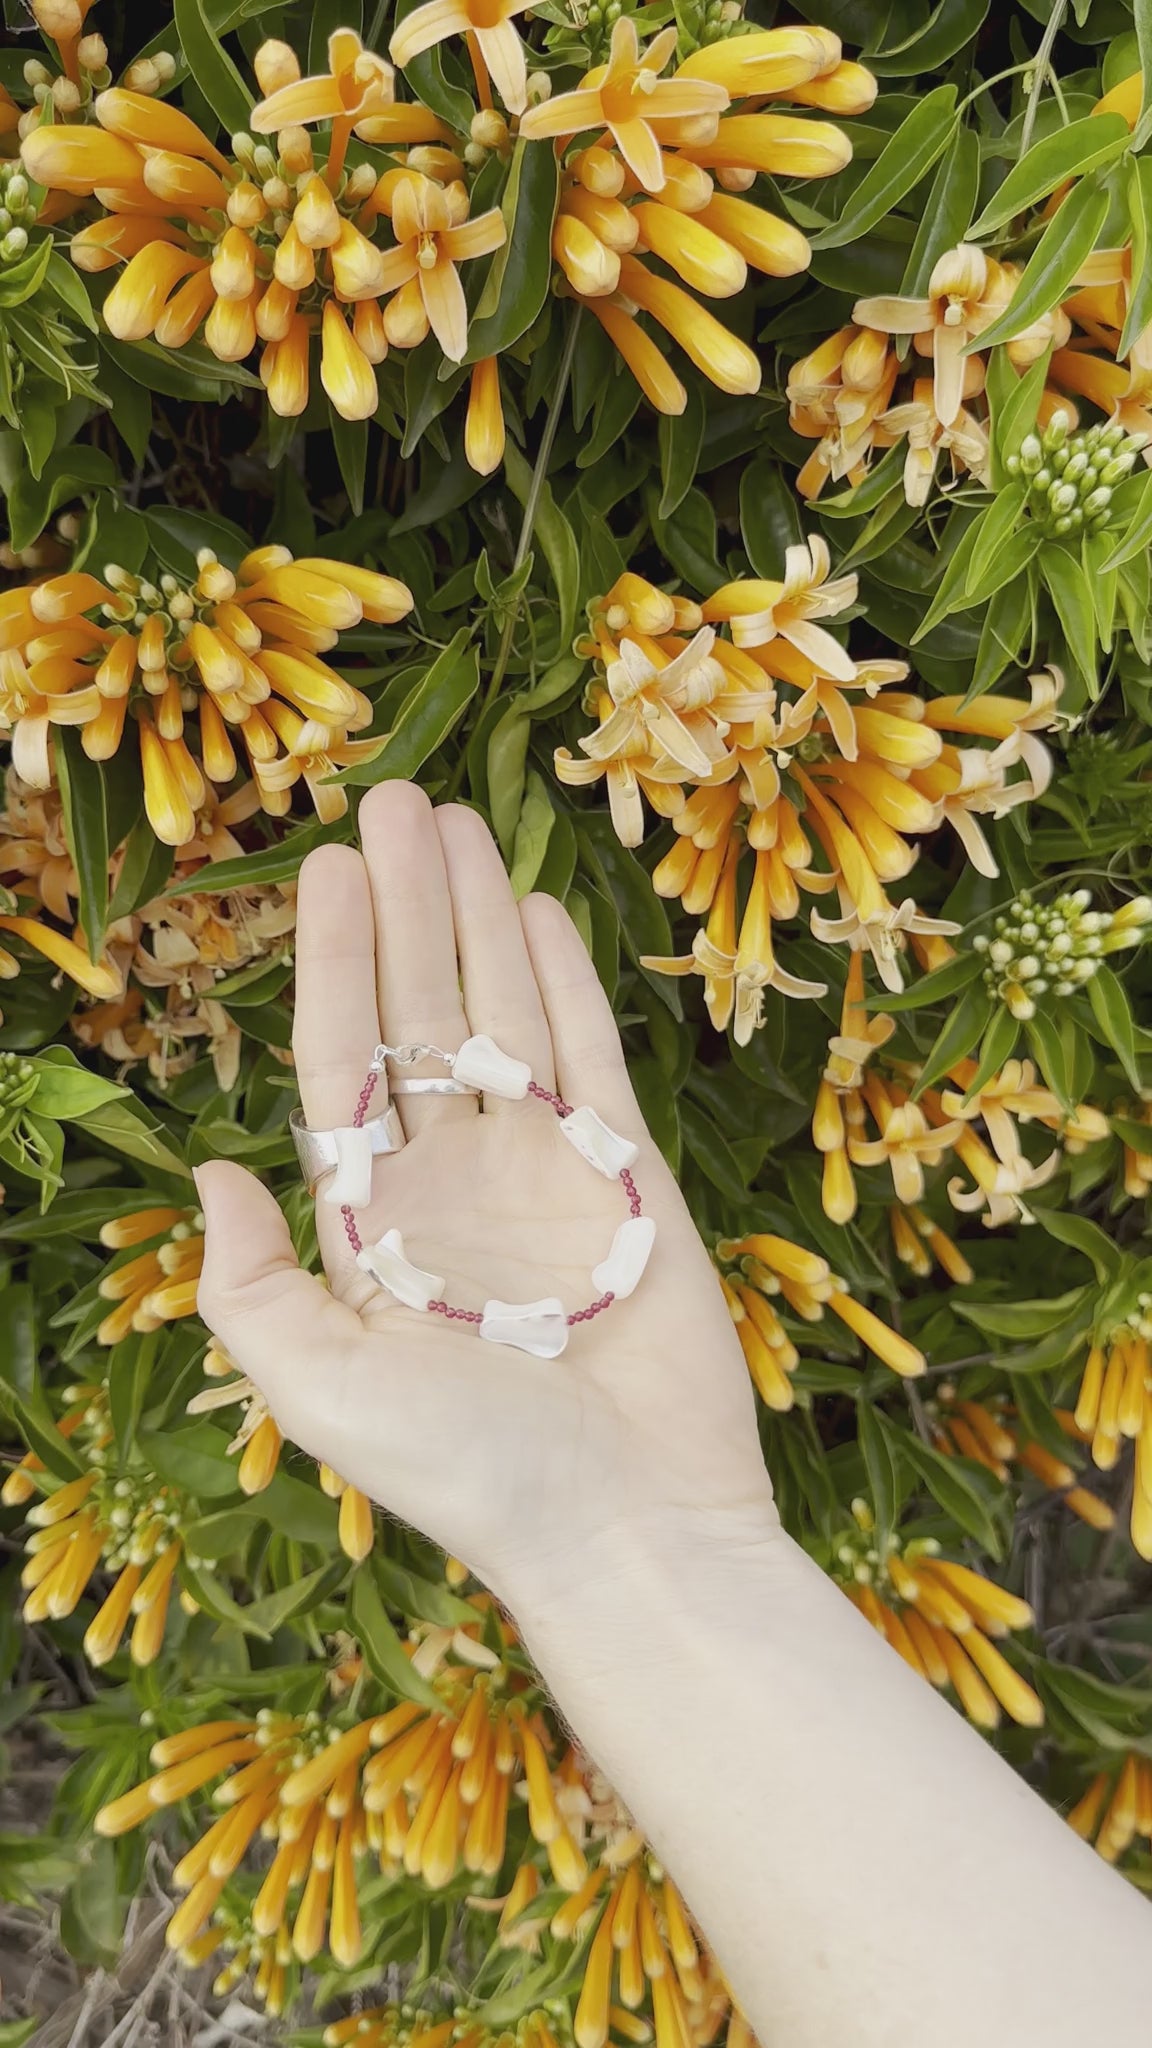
{"points": [[538, 1327]]}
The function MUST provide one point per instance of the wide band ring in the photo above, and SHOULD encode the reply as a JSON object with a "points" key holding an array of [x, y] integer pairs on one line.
{"points": [[317, 1151], [431, 1084]]}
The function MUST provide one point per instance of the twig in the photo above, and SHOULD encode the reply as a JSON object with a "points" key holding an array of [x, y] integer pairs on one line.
{"points": [[531, 504], [1043, 61]]}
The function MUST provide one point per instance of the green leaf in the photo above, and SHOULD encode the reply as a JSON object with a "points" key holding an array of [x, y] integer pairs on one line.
{"points": [[1066, 153], [435, 706], [82, 798], [66, 1090], [922, 136], [932, 988], [769, 515], [129, 1371], [350, 441], [1018, 1319], [1139, 311], [950, 25], [383, 1650], [947, 211], [124, 1126], [1014, 415], [144, 869], [18, 281], [280, 862], [1142, 23], [1112, 1013], [506, 761], [1071, 594], [555, 536], [1050, 1052], [211, 66], [964, 1491], [997, 1045], [193, 1458], [958, 1034], [417, 1597], [534, 828], [996, 526], [644, 925], [880, 1450], [18, 1338], [517, 282], [1066, 243], [68, 473], [680, 437], [950, 594], [1083, 1236]]}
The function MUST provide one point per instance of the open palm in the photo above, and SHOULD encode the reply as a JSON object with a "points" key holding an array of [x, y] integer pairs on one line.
{"points": [[497, 1455]]}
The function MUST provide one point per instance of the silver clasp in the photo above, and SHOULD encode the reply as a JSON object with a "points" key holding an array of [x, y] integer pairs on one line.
{"points": [[407, 1056]]}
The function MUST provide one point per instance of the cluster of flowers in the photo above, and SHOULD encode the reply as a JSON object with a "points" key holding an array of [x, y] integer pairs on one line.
{"points": [[114, 1517], [272, 243], [1115, 1403], [919, 1128], [151, 996], [1058, 947], [986, 1431], [854, 394], [648, 184], [429, 1791], [169, 660], [761, 1269], [798, 752], [943, 1618]]}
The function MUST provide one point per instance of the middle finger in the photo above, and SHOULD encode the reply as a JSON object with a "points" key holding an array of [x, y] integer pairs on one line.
{"points": [[417, 976]]}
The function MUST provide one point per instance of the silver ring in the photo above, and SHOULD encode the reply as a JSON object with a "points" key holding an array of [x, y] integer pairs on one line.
{"points": [[316, 1150], [433, 1084]]}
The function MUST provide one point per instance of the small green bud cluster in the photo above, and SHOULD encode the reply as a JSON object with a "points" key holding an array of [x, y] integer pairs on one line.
{"points": [[1041, 948], [1071, 477], [17, 212], [18, 1081], [597, 21]]}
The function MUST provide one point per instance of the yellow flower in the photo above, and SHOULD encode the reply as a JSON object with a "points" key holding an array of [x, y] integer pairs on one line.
{"points": [[357, 84], [484, 422], [759, 611], [433, 234], [627, 96], [487, 25], [1114, 1404], [1115, 1808], [965, 294], [944, 1619], [101, 978]]}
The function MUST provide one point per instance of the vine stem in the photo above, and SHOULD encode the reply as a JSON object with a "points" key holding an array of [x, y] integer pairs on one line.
{"points": [[1042, 61], [531, 504]]}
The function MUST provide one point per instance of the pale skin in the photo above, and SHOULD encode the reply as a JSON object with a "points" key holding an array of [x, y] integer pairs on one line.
{"points": [[867, 1869]]}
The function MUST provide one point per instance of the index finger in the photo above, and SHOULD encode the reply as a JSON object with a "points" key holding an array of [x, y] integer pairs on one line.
{"points": [[336, 1027]]}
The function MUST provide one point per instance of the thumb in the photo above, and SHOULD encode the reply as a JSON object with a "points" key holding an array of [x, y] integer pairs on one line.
{"points": [[276, 1321]]}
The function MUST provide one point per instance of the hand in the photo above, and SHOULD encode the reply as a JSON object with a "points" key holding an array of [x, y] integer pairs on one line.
{"points": [[520, 1466]]}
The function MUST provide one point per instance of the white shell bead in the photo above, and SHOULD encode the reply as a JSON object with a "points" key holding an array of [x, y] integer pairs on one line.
{"points": [[351, 1184], [621, 1272], [388, 1266], [481, 1064], [538, 1327], [596, 1142]]}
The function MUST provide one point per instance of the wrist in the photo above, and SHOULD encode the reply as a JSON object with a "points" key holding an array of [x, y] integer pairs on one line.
{"points": [[655, 1574]]}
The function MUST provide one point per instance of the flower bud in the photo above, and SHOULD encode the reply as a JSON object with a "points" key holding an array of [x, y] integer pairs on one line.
{"points": [[275, 64], [1031, 454]]}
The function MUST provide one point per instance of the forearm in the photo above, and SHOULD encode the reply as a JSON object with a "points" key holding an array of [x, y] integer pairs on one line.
{"points": [[864, 1865]]}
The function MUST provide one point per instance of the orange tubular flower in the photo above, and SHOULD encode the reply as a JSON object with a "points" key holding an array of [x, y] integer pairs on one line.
{"points": [[758, 1267], [1114, 1404], [1115, 1809], [113, 1517], [944, 1619], [232, 652]]}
